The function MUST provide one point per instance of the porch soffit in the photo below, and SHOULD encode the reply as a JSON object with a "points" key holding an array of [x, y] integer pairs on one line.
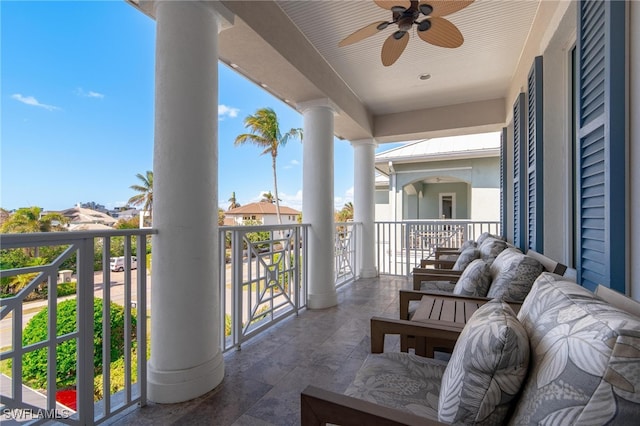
{"points": [[291, 47]]}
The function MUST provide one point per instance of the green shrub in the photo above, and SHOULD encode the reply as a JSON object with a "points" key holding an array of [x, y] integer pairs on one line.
{"points": [[34, 365], [117, 382]]}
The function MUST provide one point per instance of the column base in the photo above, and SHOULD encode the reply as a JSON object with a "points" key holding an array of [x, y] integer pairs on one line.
{"points": [[368, 273], [167, 387], [322, 301]]}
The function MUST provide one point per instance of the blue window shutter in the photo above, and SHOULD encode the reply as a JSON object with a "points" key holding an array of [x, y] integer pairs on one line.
{"points": [[535, 199], [503, 182], [601, 161], [519, 168]]}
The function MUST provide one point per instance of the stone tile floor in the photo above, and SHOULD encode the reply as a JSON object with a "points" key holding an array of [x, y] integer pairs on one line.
{"points": [[263, 381]]}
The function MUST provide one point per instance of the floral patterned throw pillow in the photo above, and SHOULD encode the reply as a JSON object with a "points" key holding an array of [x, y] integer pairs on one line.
{"points": [[465, 258], [475, 280], [487, 368]]}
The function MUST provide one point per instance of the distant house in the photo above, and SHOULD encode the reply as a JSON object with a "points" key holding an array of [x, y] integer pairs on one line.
{"points": [[263, 213], [451, 177], [127, 214], [80, 218]]}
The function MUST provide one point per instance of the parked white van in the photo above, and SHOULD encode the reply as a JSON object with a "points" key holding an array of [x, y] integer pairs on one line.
{"points": [[117, 263]]}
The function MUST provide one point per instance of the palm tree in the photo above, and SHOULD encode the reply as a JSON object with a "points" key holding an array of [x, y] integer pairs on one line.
{"points": [[234, 204], [31, 219], [345, 214], [145, 190], [267, 197], [265, 133]]}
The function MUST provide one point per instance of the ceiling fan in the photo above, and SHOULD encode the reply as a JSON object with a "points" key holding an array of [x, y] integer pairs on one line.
{"points": [[433, 28]]}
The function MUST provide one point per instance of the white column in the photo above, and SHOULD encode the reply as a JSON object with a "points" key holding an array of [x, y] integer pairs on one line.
{"points": [[186, 360], [364, 203], [317, 201]]}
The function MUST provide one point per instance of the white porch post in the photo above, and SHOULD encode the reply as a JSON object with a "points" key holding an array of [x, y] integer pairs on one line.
{"points": [[317, 200], [186, 360], [364, 203]]}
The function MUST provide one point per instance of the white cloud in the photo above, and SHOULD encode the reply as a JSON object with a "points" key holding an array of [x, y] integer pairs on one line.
{"points": [[340, 201], [293, 201], [349, 193], [227, 111], [90, 94], [291, 164], [30, 100]]}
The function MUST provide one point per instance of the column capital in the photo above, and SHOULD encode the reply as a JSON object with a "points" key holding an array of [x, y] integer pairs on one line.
{"points": [[303, 107], [368, 141], [224, 17]]}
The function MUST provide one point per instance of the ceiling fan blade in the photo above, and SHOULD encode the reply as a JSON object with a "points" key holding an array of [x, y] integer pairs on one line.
{"points": [[442, 33], [361, 34], [446, 7], [388, 4], [393, 48]]}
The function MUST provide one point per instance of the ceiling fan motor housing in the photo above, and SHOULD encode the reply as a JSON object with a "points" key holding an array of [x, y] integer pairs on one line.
{"points": [[408, 18]]}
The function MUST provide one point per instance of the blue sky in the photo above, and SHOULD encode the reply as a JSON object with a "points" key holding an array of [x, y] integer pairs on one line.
{"points": [[77, 102]]}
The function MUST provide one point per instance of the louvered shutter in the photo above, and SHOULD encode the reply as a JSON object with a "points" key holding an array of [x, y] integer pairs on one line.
{"points": [[519, 167], [535, 199], [601, 144]]}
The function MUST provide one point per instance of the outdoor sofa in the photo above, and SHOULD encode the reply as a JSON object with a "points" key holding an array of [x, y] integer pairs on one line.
{"points": [[567, 357]]}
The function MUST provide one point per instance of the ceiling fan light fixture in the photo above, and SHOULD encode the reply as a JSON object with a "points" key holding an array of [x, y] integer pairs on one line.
{"points": [[424, 25], [426, 9]]}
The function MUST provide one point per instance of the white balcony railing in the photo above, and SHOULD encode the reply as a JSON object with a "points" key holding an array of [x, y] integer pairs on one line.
{"points": [[401, 245], [345, 254], [82, 343], [263, 280]]}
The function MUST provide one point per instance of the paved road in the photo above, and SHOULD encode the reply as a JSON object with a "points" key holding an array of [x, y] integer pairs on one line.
{"points": [[117, 296]]}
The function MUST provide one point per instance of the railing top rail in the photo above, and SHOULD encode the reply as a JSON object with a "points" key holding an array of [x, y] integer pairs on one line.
{"points": [[254, 228], [459, 221], [44, 238], [347, 223]]}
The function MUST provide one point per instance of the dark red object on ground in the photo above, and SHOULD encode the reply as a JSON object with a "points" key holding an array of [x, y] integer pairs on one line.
{"points": [[67, 398]]}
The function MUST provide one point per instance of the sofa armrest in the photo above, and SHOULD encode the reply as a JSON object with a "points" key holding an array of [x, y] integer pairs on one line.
{"points": [[437, 263], [420, 275], [319, 407]]}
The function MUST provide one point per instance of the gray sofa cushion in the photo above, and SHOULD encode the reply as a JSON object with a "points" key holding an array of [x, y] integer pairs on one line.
{"points": [[400, 380], [585, 357], [513, 274], [475, 279], [487, 367], [482, 237], [491, 248], [467, 244], [445, 287], [466, 257]]}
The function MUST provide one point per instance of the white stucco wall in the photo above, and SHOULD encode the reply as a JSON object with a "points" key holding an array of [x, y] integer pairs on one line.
{"points": [[485, 204], [558, 143]]}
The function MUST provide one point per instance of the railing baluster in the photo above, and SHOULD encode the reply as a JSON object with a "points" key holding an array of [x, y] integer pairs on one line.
{"points": [[106, 323], [84, 290], [141, 326]]}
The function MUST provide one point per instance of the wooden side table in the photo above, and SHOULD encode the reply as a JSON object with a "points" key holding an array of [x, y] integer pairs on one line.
{"points": [[451, 311]]}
